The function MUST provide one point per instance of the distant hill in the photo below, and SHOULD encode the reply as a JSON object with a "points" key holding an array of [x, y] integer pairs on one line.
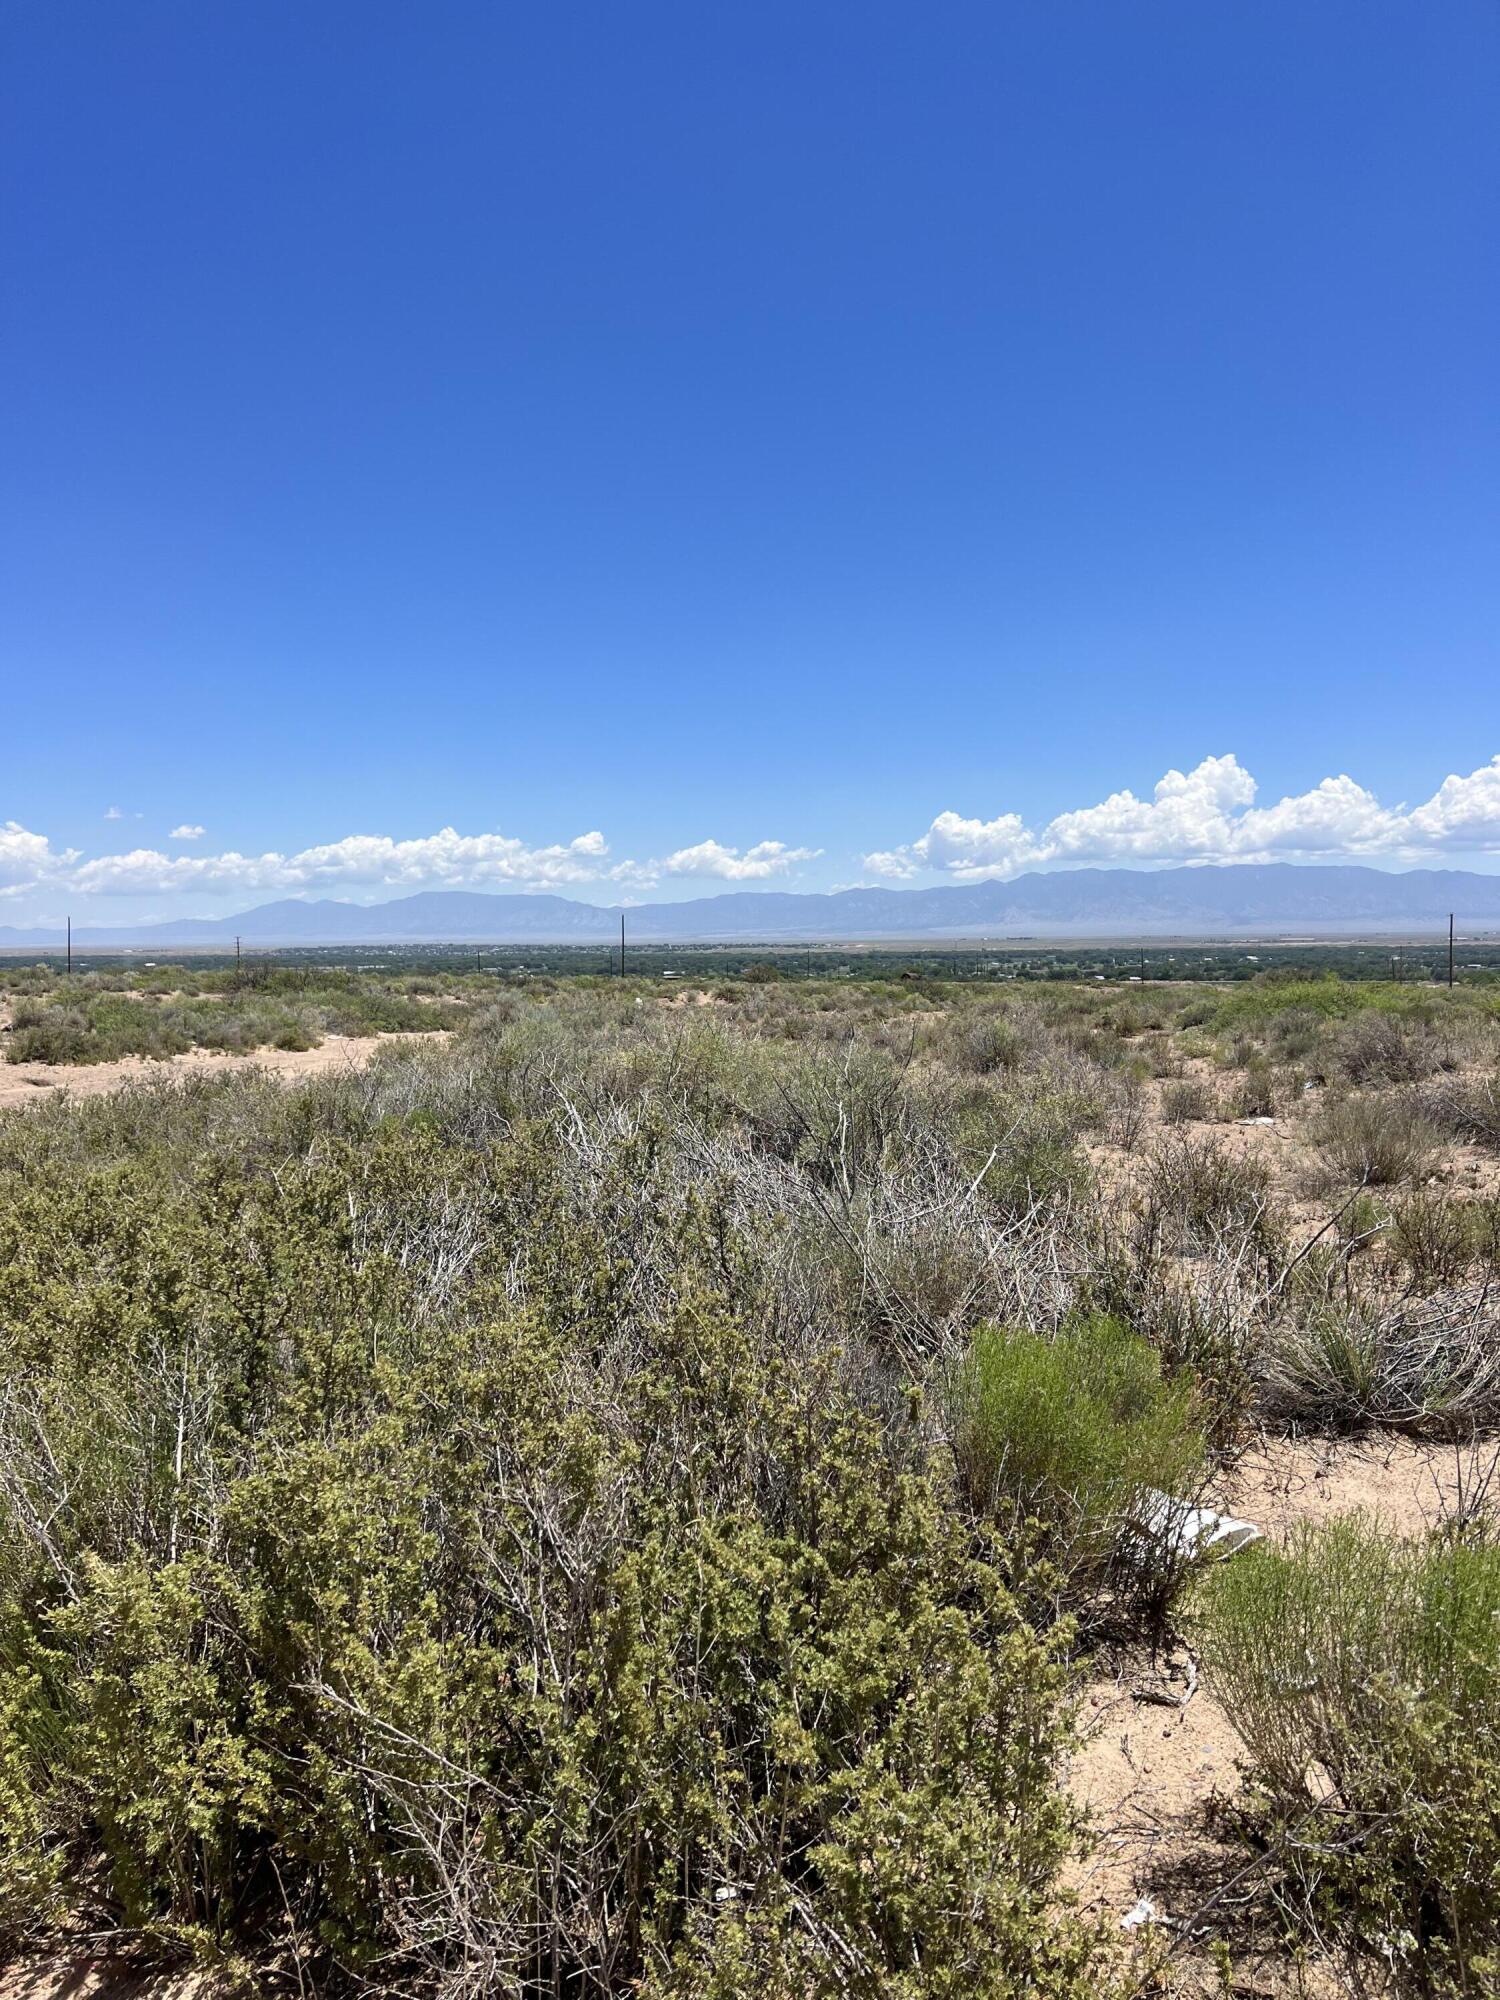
{"points": [[1104, 902]]}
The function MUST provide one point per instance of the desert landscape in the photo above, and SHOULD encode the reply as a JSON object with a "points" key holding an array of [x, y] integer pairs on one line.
{"points": [[749, 1001], [635, 1431]]}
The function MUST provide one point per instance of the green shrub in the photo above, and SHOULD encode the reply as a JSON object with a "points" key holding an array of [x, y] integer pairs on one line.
{"points": [[1035, 1153], [985, 1042], [484, 1556], [1254, 1092], [1124, 1110], [1075, 1434], [1467, 1109], [1364, 1677], [86, 1023], [49, 1035]]}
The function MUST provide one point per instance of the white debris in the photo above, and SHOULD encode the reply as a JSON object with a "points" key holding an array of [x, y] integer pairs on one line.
{"points": [[1255, 1121], [1195, 1531], [1145, 1912]]}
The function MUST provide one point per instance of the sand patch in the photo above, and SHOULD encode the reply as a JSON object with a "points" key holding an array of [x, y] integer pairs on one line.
{"points": [[34, 1083], [1160, 1756], [1409, 1486], [104, 1978]]}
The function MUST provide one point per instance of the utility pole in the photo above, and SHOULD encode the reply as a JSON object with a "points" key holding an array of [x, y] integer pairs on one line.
{"points": [[622, 944], [238, 961], [1450, 948], [70, 947]]}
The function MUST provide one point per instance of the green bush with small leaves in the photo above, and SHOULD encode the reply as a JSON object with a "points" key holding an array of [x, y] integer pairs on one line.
{"points": [[429, 1554]]}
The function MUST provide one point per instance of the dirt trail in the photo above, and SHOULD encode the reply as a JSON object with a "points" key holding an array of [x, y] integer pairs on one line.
{"points": [[35, 1083]]}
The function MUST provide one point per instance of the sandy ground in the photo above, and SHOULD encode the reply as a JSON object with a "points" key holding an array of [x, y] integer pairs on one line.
{"points": [[34, 1083], [1159, 1753], [105, 1979], [1410, 1487]]}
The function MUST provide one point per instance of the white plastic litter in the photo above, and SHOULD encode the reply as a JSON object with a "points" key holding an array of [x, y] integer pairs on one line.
{"points": [[1145, 1912], [1195, 1531]]}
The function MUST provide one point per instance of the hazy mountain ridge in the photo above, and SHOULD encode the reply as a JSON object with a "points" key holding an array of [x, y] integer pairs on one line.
{"points": [[1103, 901]]}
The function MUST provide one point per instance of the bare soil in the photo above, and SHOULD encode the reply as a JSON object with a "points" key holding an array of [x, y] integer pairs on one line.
{"points": [[34, 1083], [1159, 1759], [88, 1978]]}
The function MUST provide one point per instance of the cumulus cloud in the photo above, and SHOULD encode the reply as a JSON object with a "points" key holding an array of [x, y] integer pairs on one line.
{"points": [[729, 864], [1462, 812], [893, 865], [446, 859], [1206, 814], [29, 859], [113, 812], [1209, 814], [443, 860]]}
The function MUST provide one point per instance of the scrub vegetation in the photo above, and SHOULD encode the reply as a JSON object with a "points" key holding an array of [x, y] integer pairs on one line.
{"points": [[101, 1016], [621, 1498]]}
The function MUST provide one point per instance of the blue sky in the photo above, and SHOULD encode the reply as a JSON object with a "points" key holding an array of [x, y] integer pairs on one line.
{"points": [[638, 450]]}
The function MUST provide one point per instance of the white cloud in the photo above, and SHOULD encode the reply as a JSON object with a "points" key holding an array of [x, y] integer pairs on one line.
{"points": [[1188, 817], [1336, 817], [1209, 814], [974, 848], [1206, 814], [446, 859], [1463, 812], [895, 866], [29, 859], [729, 864], [443, 860], [113, 812]]}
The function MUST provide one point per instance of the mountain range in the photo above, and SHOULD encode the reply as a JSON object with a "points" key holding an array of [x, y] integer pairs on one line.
{"points": [[1107, 902]]}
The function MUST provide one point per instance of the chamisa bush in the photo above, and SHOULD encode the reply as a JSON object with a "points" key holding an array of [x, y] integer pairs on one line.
{"points": [[1079, 1442], [1363, 1674]]}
